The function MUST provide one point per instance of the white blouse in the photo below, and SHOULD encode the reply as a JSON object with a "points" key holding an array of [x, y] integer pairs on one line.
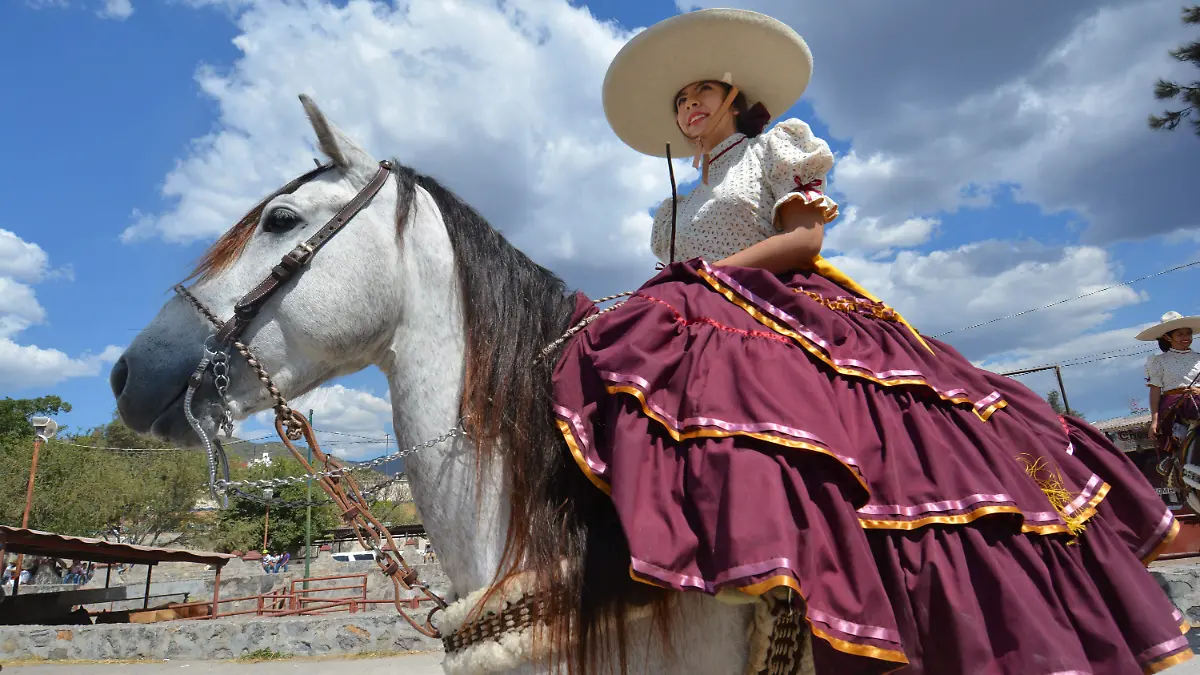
{"points": [[748, 180], [1173, 370]]}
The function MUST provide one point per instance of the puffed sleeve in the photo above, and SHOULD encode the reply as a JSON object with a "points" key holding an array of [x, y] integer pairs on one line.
{"points": [[796, 163], [1155, 372], [660, 236]]}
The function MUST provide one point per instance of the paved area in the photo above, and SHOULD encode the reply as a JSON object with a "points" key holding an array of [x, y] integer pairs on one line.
{"points": [[414, 664]]}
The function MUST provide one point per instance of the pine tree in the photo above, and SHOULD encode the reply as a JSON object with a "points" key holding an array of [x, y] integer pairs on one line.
{"points": [[1189, 95]]}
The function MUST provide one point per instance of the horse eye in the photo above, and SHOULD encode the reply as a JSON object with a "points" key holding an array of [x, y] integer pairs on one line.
{"points": [[281, 220]]}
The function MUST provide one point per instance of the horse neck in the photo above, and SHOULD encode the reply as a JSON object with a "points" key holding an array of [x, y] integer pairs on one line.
{"points": [[463, 503]]}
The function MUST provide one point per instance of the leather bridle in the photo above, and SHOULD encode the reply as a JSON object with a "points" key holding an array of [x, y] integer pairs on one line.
{"points": [[335, 480], [295, 260]]}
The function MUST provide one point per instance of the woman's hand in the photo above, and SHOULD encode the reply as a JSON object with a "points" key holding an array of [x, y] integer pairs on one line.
{"points": [[802, 229], [1154, 426]]}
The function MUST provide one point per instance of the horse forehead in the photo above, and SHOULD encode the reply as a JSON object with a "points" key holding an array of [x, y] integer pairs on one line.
{"points": [[323, 192]]}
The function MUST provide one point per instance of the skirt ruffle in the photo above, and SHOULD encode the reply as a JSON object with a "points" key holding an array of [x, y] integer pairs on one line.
{"points": [[758, 432]]}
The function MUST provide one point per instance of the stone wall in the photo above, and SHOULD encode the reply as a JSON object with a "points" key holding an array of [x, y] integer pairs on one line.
{"points": [[1181, 580], [220, 639]]}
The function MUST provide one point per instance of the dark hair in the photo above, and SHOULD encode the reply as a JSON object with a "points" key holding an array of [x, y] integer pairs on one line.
{"points": [[749, 120], [1164, 342]]}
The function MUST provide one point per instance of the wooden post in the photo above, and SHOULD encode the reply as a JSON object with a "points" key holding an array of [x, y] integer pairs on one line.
{"points": [[37, 449], [1062, 390], [216, 592], [146, 599]]}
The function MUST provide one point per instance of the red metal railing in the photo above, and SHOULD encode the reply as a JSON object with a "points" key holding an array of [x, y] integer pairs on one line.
{"points": [[297, 600]]}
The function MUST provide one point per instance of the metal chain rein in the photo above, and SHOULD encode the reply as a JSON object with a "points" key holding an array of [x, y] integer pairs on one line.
{"points": [[292, 426]]}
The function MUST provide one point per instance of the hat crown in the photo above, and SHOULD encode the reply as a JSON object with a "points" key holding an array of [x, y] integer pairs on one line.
{"points": [[1171, 316]]}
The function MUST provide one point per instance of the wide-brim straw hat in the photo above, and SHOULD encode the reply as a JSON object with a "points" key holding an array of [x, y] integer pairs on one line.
{"points": [[1170, 321], [763, 57]]}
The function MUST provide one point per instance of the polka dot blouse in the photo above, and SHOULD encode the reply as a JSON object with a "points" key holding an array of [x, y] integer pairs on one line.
{"points": [[748, 180]]}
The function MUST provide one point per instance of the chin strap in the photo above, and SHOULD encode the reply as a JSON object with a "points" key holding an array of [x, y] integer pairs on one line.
{"points": [[705, 141]]}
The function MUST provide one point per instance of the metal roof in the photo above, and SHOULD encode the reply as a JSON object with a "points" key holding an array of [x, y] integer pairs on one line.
{"points": [[1122, 423], [36, 542]]}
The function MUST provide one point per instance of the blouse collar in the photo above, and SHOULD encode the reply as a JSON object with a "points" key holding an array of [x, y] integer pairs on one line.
{"points": [[725, 144], [1182, 351]]}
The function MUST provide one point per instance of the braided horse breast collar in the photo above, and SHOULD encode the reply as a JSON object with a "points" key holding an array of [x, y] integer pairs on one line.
{"points": [[338, 484]]}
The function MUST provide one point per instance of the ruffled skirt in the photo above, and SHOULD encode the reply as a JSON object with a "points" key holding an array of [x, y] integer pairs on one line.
{"points": [[757, 431]]}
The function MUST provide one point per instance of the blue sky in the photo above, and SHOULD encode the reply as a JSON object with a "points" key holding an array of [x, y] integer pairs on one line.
{"points": [[1077, 193]]}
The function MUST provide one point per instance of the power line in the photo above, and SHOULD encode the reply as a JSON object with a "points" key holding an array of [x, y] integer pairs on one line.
{"points": [[1069, 363], [342, 433], [1077, 297], [150, 450]]}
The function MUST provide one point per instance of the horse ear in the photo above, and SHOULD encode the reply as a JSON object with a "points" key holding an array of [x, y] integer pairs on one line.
{"points": [[340, 148]]}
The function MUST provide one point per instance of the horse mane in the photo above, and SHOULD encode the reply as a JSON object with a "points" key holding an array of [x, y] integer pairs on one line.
{"points": [[513, 307]]}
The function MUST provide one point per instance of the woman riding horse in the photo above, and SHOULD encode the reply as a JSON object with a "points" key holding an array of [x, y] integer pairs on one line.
{"points": [[770, 431], [1174, 380]]}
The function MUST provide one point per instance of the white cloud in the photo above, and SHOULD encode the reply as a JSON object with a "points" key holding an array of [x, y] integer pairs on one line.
{"points": [[116, 9], [1106, 380], [501, 102], [23, 264], [21, 260], [852, 233], [1050, 99], [19, 309], [29, 367], [352, 423], [950, 289]]}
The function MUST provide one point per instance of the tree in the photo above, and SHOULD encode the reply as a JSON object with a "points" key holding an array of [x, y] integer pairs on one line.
{"points": [[1055, 401], [16, 413], [240, 527], [154, 491], [1188, 94], [149, 489]]}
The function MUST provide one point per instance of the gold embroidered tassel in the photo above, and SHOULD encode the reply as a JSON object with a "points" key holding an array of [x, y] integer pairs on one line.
{"points": [[1052, 486]]}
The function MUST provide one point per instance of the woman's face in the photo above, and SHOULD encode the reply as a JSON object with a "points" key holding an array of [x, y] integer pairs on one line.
{"points": [[1181, 338], [695, 105]]}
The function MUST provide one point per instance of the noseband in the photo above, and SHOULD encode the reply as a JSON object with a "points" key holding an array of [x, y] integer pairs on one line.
{"points": [[289, 424]]}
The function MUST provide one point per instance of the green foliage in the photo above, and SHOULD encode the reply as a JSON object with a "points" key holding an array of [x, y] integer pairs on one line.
{"points": [[240, 527], [395, 513], [150, 489], [1188, 94], [263, 654], [15, 414], [86, 492]]}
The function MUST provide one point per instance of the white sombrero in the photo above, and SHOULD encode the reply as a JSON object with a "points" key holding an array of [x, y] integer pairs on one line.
{"points": [[1170, 321], [763, 57]]}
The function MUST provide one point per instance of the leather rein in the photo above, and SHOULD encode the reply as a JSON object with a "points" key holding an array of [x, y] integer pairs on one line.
{"points": [[335, 479]]}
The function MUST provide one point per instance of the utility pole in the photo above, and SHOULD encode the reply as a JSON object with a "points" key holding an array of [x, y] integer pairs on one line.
{"points": [[308, 514], [45, 429]]}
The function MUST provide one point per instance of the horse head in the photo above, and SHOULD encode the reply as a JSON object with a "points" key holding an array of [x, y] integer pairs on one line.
{"points": [[339, 313]]}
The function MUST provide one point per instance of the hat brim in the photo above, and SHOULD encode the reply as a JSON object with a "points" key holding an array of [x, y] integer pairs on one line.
{"points": [[1158, 330], [768, 61]]}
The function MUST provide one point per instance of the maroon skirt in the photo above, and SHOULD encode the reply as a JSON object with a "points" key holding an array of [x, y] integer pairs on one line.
{"points": [[757, 431], [1175, 408]]}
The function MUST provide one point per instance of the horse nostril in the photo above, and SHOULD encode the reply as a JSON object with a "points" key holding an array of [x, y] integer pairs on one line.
{"points": [[119, 376]]}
